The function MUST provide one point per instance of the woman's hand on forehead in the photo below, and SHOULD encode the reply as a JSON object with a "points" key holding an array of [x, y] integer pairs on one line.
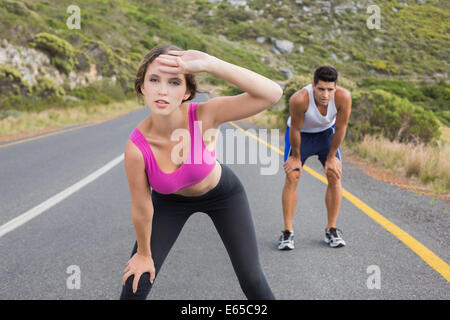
{"points": [[190, 61]]}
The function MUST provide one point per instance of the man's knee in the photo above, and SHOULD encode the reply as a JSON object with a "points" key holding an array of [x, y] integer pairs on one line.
{"points": [[293, 178], [334, 181]]}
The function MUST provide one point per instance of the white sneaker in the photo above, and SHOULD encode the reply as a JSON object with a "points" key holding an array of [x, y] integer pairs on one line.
{"points": [[334, 238], [286, 241]]}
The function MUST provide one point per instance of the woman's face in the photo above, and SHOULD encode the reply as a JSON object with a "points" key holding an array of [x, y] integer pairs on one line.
{"points": [[163, 92]]}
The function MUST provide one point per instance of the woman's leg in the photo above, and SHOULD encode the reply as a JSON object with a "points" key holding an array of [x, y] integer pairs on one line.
{"points": [[168, 220], [232, 218]]}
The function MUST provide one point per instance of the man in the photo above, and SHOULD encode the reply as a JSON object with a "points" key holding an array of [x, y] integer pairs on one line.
{"points": [[317, 124]]}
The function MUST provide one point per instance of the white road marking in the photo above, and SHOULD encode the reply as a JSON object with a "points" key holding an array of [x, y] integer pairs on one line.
{"points": [[34, 212]]}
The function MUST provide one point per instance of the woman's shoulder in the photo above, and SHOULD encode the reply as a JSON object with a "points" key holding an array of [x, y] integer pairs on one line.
{"points": [[204, 114], [133, 153]]}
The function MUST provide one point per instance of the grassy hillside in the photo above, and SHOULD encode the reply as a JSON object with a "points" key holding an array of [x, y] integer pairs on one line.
{"points": [[409, 51]]}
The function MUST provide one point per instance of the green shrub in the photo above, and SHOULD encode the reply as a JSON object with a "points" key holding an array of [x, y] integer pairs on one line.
{"points": [[104, 91], [241, 57], [148, 44], [11, 82], [434, 97], [104, 58], [439, 93], [358, 55], [295, 84], [400, 88], [47, 88], [62, 54], [347, 84], [153, 22], [33, 103], [55, 24], [15, 7], [186, 39], [83, 61], [117, 63], [9, 113], [233, 15], [381, 113], [242, 31], [384, 66]]}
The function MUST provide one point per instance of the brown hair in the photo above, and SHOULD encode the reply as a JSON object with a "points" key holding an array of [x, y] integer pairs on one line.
{"points": [[326, 74], [191, 82]]}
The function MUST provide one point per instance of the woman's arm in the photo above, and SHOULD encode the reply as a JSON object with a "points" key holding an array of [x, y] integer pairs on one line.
{"points": [[141, 214], [259, 92]]}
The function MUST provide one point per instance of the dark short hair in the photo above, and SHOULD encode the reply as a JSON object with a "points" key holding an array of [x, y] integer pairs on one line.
{"points": [[326, 74], [191, 82]]}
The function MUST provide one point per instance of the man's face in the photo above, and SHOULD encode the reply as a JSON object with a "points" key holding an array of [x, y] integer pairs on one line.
{"points": [[324, 92]]}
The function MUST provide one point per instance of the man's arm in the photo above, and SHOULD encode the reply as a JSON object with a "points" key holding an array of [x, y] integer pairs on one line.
{"points": [[344, 105], [298, 104]]}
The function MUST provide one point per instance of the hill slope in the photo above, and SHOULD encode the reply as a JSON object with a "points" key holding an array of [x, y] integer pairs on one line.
{"points": [[411, 45]]}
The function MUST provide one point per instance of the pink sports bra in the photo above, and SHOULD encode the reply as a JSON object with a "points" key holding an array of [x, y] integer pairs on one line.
{"points": [[200, 161]]}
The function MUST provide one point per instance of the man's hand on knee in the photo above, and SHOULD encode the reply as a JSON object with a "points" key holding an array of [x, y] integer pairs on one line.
{"points": [[293, 164], [333, 168]]}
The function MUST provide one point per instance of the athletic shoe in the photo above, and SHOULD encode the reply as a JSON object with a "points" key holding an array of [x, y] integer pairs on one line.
{"points": [[286, 241], [334, 238]]}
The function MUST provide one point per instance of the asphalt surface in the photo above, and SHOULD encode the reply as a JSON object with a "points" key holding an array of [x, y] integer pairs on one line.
{"points": [[92, 229]]}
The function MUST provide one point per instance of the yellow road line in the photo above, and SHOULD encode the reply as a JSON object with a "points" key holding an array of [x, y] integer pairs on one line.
{"points": [[423, 252], [42, 136]]}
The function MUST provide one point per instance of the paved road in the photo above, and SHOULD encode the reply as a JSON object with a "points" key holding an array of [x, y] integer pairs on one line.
{"points": [[92, 229]]}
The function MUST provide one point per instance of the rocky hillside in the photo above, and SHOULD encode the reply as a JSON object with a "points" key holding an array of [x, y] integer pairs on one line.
{"points": [[43, 54]]}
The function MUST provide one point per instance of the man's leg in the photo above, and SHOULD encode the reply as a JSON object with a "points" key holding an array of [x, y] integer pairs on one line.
{"points": [[290, 198], [333, 199], [333, 196]]}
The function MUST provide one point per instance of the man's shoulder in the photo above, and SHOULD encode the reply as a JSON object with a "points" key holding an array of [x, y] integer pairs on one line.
{"points": [[300, 97], [342, 95]]}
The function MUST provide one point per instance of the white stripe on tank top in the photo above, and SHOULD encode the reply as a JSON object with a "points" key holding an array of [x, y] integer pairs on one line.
{"points": [[314, 121]]}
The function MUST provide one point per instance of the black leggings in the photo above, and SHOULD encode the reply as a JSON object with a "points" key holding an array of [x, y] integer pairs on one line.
{"points": [[227, 206]]}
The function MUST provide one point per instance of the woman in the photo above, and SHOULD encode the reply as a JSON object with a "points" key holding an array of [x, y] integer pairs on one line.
{"points": [[164, 192]]}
